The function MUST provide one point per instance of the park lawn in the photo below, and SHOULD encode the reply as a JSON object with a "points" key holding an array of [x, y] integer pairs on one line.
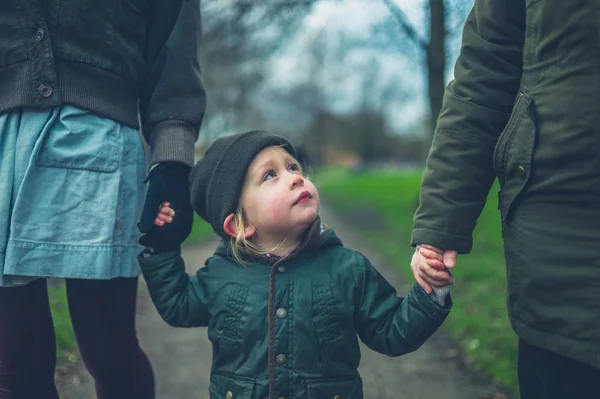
{"points": [[382, 206], [65, 339], [201, 230]]}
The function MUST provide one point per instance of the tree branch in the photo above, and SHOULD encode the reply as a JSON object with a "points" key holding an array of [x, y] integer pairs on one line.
{"points": [[404, 24]]}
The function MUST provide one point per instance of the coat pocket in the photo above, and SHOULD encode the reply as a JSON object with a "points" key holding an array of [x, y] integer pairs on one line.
{"points": [[82, 142], [230, 386], [326, 319], [335, 388], [236, 312], [514, 154]]}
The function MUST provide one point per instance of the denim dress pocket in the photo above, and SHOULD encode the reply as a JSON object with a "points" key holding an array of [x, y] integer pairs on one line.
{"points": [[88, 146], [73, 195]]}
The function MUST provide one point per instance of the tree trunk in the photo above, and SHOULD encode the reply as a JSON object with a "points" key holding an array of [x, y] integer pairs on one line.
{"points": [[436, 63]]}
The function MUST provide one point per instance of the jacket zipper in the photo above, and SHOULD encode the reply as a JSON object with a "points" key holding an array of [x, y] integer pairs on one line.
{"points": [[512, 115]]}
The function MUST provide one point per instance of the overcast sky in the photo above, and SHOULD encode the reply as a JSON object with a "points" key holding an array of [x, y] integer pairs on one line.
{"points": [[356, 19]]}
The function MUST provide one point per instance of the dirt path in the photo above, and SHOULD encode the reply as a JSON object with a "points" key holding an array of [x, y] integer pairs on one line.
{"points": [[181, 357]]}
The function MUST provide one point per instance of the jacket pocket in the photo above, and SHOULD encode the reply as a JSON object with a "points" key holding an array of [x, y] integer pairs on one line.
{"points": [[335, 388], [235, 314], [230, 386], [513, 154], [326, 320], [83, 142]]}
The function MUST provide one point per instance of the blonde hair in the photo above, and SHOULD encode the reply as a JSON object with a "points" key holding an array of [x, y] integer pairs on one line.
{"points": [[240, 244]]}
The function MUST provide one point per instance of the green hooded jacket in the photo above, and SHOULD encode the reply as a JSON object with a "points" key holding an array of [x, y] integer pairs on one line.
{"points": [[524, 107], [324, 296]]}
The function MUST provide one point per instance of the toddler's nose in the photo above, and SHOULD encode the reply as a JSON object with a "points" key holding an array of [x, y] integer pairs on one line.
{"points": [[297, 181]]}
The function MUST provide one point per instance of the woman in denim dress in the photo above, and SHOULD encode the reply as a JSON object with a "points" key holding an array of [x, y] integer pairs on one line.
{"points": [[77, 81]]}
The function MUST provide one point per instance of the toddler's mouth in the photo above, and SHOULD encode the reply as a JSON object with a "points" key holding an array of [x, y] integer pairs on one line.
{"points": [[304, 196]]}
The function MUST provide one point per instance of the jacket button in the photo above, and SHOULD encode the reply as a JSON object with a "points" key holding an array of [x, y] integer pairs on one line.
{"points": [[228, 395], [45, 91], [280, 359], [39, 34], [521, 171], [281, 313]]}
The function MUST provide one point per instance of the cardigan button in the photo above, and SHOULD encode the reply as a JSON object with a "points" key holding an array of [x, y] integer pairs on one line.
{"points": [[228, 395], [45, 90], [281, 313]]}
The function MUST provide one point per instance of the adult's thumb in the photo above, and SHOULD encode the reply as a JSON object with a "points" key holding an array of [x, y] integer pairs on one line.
{"points": [[449, 258]]}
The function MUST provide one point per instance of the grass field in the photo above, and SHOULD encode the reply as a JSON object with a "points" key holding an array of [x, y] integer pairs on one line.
{"points": [[65, 340], [200, 230], [382, 206]]}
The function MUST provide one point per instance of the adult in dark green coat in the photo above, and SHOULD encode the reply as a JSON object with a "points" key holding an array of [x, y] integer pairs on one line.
{"points": [[524, 107]]}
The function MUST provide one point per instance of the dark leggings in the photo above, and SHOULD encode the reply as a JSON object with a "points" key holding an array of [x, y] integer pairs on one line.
{"points": [[103, 317]]}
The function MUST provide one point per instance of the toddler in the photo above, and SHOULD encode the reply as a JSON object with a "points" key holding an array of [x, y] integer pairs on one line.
{"points": [[283, 300]]}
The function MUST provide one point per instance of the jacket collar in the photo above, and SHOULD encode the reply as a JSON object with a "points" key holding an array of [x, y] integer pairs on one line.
{"points": [[317, 235]]}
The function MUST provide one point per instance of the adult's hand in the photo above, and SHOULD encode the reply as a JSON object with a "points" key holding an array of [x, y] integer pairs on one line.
{"points": [[430, 266], [168, 183], [440, 259]]}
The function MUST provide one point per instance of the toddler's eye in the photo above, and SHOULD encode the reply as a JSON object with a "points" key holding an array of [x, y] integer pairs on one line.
{"points": [[295, 167], [269, 175]]}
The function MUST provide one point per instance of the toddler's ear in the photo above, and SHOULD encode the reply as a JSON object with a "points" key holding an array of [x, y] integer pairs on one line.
{"points": [[230, 227]]}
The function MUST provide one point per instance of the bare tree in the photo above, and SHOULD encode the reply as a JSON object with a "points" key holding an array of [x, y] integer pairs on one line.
{"points": [[238, 37], [440, 18]]}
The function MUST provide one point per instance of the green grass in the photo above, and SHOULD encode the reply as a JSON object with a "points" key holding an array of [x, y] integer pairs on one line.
{"points": [[65, 339], [382, 206], [200, 231]]}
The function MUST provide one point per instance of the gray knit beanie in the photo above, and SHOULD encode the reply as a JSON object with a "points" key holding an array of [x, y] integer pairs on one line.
{"points": [[218, 178]]}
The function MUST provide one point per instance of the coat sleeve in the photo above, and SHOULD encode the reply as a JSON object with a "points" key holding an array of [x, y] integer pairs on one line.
{"points": [[390, 324], [477, 105], [173, 100], [180, 299]]}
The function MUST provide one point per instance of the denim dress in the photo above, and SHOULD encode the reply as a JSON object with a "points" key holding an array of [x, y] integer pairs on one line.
{"points": [[71, 193]]}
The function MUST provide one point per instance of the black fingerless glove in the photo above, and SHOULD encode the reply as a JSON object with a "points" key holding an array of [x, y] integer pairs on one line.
{"points": [[168, 182]]}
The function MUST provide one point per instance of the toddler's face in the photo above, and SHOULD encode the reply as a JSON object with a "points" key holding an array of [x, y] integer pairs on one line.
{"points": [[276, 198]]}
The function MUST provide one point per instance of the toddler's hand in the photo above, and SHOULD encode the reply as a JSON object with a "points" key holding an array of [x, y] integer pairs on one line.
{"points": [[168, 182], [428, 268], [159, 238], [165, 215]]}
